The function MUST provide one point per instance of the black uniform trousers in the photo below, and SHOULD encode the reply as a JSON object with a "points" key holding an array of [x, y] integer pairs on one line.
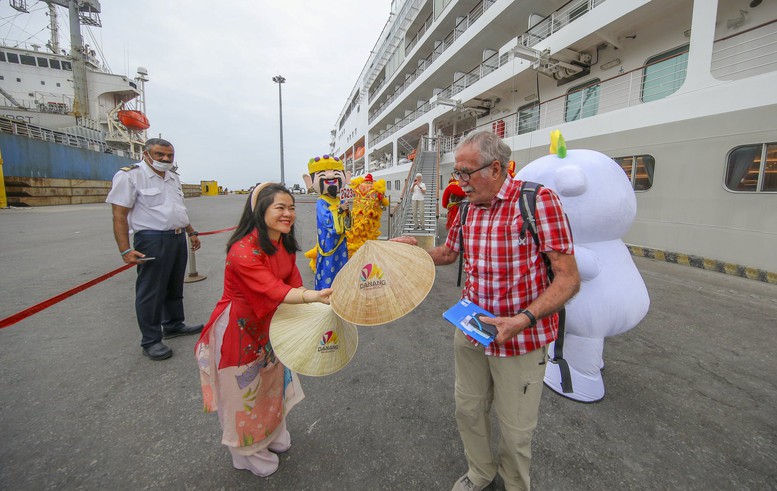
{"points": [[159, 287]]}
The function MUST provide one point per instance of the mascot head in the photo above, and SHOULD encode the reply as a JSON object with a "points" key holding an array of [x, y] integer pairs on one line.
{"points": [[327, 175], [595, 192]]}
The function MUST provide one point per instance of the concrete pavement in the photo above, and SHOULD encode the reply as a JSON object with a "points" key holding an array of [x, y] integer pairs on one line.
{"points": [[690, 398]]}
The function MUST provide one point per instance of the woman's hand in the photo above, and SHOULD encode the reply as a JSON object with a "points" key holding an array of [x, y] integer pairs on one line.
{"points": [[322, 295]]}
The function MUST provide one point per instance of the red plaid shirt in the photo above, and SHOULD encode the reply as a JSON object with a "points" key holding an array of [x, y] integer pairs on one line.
{"points": [[506, 273]]}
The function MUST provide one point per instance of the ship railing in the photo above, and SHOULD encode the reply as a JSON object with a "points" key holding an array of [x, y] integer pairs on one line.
{"points": [[402, 209], [21, 128], [747, 53], [555, 21], [461, 27]]}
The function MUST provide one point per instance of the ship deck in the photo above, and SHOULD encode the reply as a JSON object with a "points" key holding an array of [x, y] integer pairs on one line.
{"points": [[689, 405]]}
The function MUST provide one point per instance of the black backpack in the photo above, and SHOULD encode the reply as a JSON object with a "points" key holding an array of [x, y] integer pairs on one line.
{"points": [[527, 204]]}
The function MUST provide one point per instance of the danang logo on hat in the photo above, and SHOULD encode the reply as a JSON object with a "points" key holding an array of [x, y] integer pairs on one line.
{"points": [[328, 342], [371, 277]]}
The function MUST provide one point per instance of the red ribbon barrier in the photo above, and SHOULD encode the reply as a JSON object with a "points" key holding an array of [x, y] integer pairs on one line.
{"points": [[9, 321]]}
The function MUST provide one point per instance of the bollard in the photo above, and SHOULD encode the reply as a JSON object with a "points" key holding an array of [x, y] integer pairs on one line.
{"points": [[193, 275]]}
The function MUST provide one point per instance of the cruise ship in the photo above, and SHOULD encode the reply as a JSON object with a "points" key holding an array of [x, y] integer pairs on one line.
{"points": [[680, 93], [67, 124]]}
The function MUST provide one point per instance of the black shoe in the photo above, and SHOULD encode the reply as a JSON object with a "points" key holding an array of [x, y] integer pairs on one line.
{"points": [[181, 330], [158, 351]]}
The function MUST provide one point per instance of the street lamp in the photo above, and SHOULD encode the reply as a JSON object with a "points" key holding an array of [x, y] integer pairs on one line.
{"points": [[278, 79]]}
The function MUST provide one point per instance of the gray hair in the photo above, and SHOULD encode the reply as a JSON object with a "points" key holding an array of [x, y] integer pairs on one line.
{"points": [[490, 147], [419, 175], [156, 141]]}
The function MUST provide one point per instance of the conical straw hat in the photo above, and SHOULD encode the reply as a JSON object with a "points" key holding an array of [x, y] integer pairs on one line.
{"points": [[311, 340], [382, 282]]}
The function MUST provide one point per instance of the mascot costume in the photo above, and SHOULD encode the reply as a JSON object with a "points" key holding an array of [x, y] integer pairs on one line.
{"points": [[600, 204], [368, 201], [451, 199], [327, 177]]}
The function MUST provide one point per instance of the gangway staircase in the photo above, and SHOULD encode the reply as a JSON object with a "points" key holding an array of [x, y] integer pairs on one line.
{"points": [[427, 163]]}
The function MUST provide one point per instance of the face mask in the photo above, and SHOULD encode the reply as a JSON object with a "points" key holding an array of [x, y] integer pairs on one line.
{"points": [[161, 166]]}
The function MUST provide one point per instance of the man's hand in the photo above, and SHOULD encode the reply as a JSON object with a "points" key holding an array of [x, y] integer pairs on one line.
{"points": [[506, 327], [132, 257], [195, 242], [405, 239]]}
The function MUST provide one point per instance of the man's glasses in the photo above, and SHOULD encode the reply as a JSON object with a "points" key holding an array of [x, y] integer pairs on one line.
{"points": [[464, 176]]}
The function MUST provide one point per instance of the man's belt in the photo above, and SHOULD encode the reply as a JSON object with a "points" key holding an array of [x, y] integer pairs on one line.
{"points": [[175, 231]]}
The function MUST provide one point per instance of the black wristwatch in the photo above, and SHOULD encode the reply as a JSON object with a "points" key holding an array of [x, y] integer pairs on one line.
{"points": [[532, 319], [193, 234]]}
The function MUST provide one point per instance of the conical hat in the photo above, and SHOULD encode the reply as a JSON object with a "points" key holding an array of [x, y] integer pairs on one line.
{"points": [[311, 340], [382, 282]]}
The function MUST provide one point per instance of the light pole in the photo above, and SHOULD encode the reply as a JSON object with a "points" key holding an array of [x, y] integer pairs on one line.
{"points": [[278, 79]]}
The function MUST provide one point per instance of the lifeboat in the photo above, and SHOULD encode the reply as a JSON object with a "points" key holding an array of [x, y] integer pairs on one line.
{"points": [[134, 120]]}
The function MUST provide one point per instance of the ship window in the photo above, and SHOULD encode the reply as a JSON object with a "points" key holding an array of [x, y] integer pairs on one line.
{"points": [[528, 118], [664, 74], [66, 65], [388, 185], [639, 169], [55, 64], [28, 60], [396, 185], [752, 168], [43, 82], [2, 56], [43, 62], [58, 84], [582, 101], [13, 58]]}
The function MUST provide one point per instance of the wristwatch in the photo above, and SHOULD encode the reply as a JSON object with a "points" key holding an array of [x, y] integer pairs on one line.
{"points": [[532, 319], [193, 234]]}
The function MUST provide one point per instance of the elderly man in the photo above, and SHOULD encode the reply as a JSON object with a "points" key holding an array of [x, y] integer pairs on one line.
{"points": [[506, 275], [147, 200]]}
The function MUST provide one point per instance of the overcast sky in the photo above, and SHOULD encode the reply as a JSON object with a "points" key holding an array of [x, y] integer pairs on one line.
{"points": [[211, 65]]}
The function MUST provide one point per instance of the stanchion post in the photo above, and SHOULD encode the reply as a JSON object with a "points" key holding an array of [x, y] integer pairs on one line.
{"points": [[193, 275]]}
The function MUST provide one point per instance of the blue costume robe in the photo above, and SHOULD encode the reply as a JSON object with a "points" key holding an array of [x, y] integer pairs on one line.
{"points": [[332, 250]]}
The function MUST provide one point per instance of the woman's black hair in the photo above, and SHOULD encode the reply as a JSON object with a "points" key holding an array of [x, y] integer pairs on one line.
{"points": [[251, 220]]}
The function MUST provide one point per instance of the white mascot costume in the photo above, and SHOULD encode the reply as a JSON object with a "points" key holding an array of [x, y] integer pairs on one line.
{"points": [[600, 204]]}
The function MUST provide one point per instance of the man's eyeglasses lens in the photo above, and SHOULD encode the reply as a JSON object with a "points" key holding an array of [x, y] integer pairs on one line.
{"points": [[464, 176]]}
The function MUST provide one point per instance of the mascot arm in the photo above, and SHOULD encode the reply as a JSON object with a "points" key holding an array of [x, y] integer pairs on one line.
{"points": [[308, 182], [588, 263], [338, 219]]}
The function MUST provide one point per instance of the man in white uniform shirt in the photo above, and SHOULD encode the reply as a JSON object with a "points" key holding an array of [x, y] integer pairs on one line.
{"points": [[147, 200], [419, 190]]}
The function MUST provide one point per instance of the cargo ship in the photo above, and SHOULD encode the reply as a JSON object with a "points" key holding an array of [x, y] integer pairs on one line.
{"points": [[67, 124]]}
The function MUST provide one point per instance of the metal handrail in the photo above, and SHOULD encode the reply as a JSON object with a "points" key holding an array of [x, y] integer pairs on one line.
{"points": [[399, 214]]}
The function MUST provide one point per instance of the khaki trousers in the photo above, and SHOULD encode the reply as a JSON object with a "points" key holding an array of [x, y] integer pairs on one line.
{"points": [[514, 385]]}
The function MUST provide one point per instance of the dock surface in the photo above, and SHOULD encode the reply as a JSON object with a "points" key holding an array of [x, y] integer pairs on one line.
{"points": [[690, 403]]}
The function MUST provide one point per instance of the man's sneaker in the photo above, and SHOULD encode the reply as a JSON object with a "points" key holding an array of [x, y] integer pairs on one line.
{"points": [[464, 484]]}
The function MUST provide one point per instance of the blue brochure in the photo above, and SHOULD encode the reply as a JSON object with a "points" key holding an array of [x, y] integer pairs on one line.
{"points": [[465, 315]]}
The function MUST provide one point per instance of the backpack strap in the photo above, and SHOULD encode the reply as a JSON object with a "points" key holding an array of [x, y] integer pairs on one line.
{"points": [[527, 203]]}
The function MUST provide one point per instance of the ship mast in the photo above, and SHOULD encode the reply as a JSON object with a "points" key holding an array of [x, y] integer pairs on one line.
{"points": [[54, 43], [86, 12]]}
